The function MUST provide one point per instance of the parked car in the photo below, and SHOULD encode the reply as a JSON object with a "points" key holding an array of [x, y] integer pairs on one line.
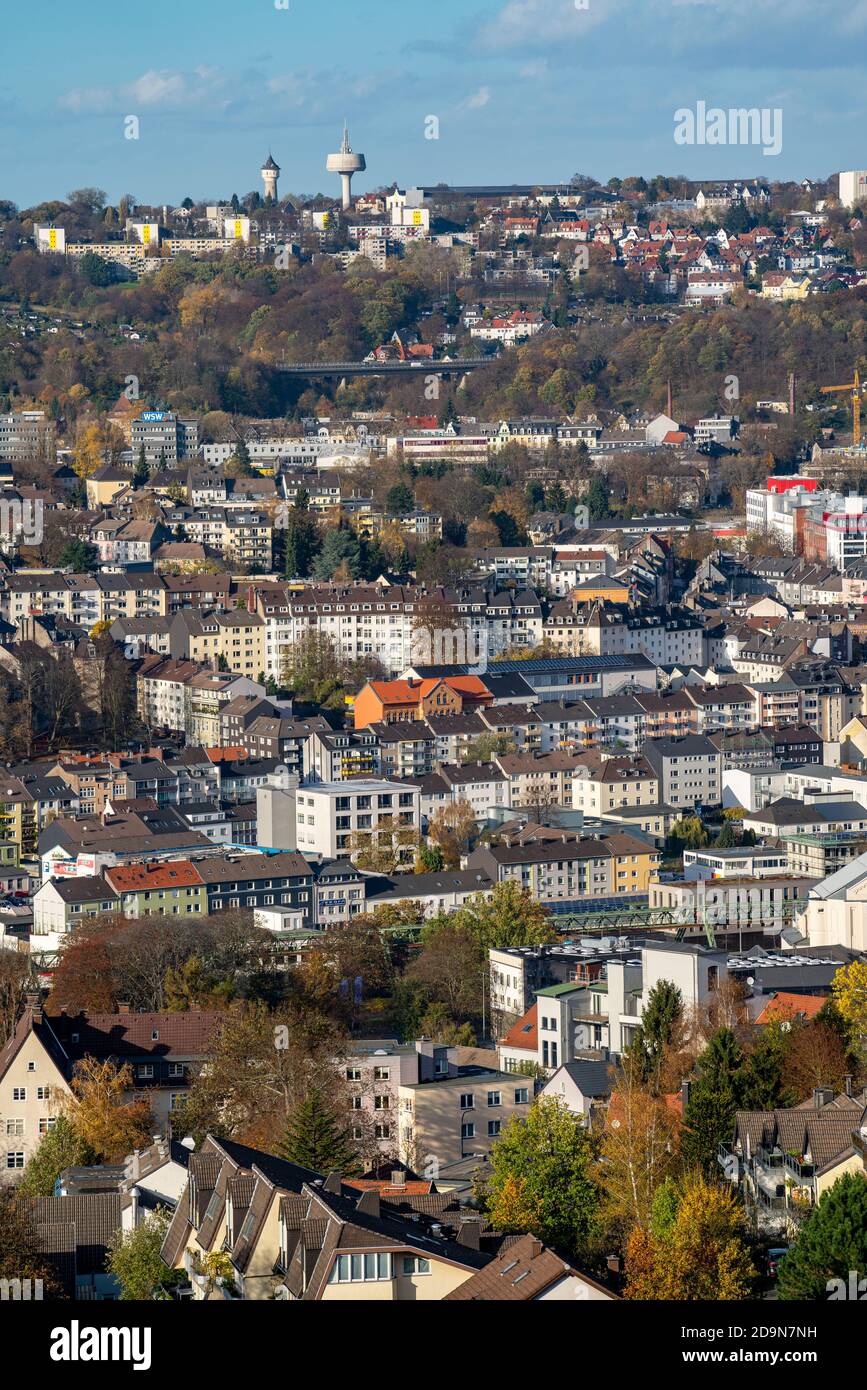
{"points": [[773, 1257]]}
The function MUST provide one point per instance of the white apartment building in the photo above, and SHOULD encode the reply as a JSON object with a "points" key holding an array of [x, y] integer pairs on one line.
{"points": [[510, 329], [717, 429], [689, 770], [754, 861], [306, 451], [853, 187], [186, 698], [25, 435], [330, 815], [666, 641], [481, 785], [360, 622], [836, 910], [753, 788], [821, 778], [418, 446], [846, 532], [695, 970], [570, 1018], [778, 510]]}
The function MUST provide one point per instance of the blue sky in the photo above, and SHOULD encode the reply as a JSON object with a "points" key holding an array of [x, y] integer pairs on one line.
{"points": [[524, 90]]}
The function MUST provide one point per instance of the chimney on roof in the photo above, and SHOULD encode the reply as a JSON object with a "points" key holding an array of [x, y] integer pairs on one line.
{"points": [[536, 1248], [368, 1202], [123, 1006], [822, 1095], [685, 1091], [847, 1083], [398, 1178], [470, 1234], [333, 1184], [34, 1004]]}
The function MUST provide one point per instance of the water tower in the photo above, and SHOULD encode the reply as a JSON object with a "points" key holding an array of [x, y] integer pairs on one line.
{"points": [[345, 163], [270, 172]]}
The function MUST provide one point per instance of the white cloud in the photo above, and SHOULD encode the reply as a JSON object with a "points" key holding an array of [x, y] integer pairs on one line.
{"points": [[535, 23], [478, 99], [84, 99], [164, 87], [749, 33], [157, 88]]}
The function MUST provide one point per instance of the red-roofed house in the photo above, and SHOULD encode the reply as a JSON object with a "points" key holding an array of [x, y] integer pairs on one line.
{"points": [[170, 888], [391, 702], [518, 1049], [783, 1007]]}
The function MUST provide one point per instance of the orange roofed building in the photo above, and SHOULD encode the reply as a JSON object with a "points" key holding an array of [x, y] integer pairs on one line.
{"points": [[518, 1050], [235, 753], [784, 1007], [159, 888], [123, 413], [392, 702]]}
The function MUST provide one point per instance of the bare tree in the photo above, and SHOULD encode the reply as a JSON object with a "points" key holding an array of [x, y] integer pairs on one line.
{"points": [[16, 976]]}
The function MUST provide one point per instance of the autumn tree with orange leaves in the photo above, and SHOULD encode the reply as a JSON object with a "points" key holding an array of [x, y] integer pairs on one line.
{"points": [[695, 1248], [102, 1113], [639, 1151]]}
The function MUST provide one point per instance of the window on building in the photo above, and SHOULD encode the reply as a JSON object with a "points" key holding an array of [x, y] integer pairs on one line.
{"points": [[358, 1269]]}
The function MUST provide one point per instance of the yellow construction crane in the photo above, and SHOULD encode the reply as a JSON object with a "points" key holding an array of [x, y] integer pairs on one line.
{"points": [[854, 387]]}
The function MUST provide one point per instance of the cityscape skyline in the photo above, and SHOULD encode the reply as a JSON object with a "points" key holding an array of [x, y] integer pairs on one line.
{"points": [[522, 91]]}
